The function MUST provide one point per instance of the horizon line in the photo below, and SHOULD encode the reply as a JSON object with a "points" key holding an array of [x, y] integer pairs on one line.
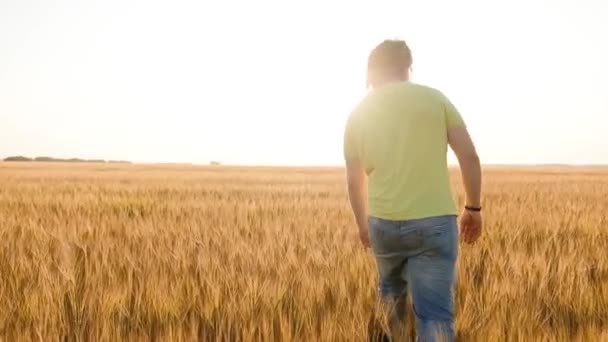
{"points": [[219, 164]]}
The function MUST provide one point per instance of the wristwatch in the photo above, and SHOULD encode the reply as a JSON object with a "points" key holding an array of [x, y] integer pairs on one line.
{"points": [[469, 208]]}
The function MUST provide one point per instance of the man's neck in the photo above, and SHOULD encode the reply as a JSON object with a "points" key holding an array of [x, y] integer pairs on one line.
{"points": [[389, 81]]}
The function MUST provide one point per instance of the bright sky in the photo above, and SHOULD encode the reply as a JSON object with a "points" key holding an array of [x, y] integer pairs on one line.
{"points": [[272, 82]]}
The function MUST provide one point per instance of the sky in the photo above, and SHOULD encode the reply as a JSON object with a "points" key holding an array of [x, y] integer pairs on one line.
{"points": [[272, 82]]}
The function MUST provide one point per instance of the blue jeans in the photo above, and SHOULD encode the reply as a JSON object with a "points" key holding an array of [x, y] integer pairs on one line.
{"points": [[418, 256]]}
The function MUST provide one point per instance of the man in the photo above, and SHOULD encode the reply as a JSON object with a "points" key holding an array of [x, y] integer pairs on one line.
{"points": [[395, 147]]}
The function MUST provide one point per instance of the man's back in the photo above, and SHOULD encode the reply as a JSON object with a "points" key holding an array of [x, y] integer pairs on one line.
{"points": [[399, 134]]}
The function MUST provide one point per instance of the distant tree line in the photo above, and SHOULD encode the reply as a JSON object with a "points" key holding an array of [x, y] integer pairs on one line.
{"points": [[61, 160]]}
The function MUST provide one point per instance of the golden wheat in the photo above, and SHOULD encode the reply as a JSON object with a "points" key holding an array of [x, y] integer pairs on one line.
{"points": [[126, 252]]}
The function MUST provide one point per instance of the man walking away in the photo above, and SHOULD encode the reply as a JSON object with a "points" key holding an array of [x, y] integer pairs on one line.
{"points": [[395, 147]]}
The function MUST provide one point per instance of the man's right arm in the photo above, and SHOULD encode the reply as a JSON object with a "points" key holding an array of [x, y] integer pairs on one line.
{"points": [[461, 143]]}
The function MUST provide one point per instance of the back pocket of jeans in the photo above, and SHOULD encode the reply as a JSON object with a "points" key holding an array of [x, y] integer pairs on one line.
{"points": [[383, 234], [442, 238]]}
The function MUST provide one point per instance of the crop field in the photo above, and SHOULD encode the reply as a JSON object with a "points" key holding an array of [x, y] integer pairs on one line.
{"points": [[103, 252]]}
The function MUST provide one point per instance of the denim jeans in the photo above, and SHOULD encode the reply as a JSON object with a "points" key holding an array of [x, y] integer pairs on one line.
{"points": [[419, 257]]}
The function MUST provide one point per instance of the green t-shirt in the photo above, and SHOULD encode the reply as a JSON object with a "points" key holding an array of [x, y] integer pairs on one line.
{"points": [[399, 134]]}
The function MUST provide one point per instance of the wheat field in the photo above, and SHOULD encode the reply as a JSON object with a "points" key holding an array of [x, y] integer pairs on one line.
{"points": [[151, 252]]}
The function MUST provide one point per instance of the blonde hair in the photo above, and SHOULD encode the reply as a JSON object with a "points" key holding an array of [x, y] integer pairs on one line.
{"points": [[388, 60]]}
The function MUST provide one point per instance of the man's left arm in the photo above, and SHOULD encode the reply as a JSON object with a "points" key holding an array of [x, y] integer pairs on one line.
{"points": [[357, 195], [356, 177]]}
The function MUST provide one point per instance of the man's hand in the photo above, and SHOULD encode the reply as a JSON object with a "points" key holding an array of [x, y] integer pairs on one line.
{"points": [[471, 224], [364, 236]]}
